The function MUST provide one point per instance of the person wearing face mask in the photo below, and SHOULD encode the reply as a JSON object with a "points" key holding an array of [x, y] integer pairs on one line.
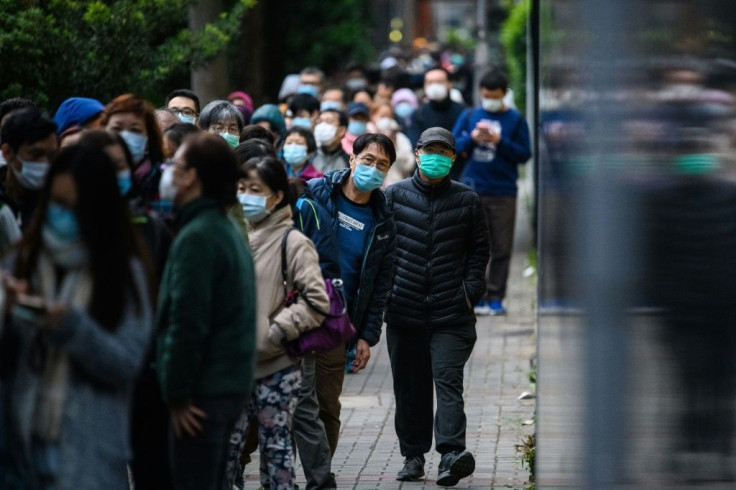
{"points": [[328, 133], [302, 111], [311, 80], [365, 232], [29, 145], [79, 310], [358, 117], [333, 98], [494, 139], [298, 152], [150, 418], [222, 118], [265, 196], [439, 110], [206, 315], [384, 122], [184, 104], [133, 118], [404, 102], [430, 323]]}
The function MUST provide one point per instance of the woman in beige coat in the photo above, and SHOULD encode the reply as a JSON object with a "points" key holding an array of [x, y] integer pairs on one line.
{"points": [[265, 197]]}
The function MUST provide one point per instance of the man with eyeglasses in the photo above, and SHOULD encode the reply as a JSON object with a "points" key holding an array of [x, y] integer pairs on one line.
{"points": [[184, 103], [366, 238], [442, 248]]}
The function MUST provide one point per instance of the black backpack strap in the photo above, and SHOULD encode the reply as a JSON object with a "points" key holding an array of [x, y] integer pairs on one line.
{"points": [[284, 264]]}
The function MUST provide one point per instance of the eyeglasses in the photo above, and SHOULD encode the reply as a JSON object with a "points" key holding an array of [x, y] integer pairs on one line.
{"points": [[186, 111], [378, 164], [221, 128]]}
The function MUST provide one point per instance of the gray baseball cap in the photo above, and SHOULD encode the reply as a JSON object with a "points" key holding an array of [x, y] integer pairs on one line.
{"points": [[436, 135]]}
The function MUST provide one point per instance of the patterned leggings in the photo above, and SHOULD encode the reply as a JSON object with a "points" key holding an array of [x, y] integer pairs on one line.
{"points": [[273, 403]]}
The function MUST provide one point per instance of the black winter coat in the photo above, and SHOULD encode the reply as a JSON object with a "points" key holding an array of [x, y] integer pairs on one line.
{"points": [[378, 257], [442, 250]]}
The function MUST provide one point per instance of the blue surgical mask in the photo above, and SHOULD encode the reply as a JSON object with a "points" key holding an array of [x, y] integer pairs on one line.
{"points": [[295, 154], [328, 105], [254, 207], [357, 127], [403, 110], [125, 182], [308, 89], [63, 223], [367, 178], [32, 174], [186, 119], [232, 140], [136, 144], [302, 122]]}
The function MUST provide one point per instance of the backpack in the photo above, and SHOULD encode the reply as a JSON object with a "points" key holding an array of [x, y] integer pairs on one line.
{"points": [[336, 329]]}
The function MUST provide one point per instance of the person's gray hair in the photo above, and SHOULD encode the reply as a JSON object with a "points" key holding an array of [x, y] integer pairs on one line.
{"points": [[313, 70], [220, 110]]}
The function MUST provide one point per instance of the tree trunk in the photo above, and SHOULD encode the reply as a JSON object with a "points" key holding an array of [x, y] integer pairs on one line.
{"points": [[212, 81]]}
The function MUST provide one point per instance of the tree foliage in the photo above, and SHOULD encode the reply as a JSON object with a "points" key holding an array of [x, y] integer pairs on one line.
{"points": [[327, 33], [513, 38], [54, 49]]}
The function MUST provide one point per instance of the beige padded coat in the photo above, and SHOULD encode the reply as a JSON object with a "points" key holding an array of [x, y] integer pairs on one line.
{"points": [[276, 323]]}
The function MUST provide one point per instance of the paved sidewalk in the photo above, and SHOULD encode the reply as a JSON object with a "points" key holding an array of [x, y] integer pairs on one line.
{"points": [[368, 453]]}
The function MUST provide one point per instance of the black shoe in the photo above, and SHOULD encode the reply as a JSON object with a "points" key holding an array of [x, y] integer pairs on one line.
{"points": [[413, 469], [454, 466]]}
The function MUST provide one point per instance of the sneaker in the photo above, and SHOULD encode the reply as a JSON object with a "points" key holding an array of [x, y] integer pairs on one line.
{"points": [[454, 466], [481, 308], [413, 469], [496, 308]]}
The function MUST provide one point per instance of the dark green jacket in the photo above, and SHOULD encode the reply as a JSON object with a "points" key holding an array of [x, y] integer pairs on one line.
{"points": [[205, 324]]}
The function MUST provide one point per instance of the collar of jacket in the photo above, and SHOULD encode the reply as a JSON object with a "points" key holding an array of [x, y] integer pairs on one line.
{"points": [[441, 105], [426, 188], [194, 208], [336, 178]]}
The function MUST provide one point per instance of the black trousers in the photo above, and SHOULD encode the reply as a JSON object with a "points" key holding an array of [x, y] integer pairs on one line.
{"points": [[423, 361], [198, 463], [500, 218]]}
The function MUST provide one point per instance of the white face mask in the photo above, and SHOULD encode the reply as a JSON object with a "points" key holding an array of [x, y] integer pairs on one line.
{"points": [[32, 174], [325, 133], [436, 91], [492, 105], [166, 188]]}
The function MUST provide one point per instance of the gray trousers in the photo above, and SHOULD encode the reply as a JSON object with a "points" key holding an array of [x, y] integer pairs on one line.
{"points": [[423, 361], [309, 431], [501, 218]]}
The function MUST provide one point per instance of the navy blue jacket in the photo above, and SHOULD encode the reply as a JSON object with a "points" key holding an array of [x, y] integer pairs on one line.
{"points": [[312, 219], [496, 177], [442, 252], [376, 273]]}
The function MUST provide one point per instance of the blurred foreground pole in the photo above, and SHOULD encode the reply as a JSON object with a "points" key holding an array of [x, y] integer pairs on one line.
{"points": [[604, 242], [209, 82]]}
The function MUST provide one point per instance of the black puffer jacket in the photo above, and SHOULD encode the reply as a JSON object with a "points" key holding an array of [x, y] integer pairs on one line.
{"points": [[442, 250], [378, 258]]}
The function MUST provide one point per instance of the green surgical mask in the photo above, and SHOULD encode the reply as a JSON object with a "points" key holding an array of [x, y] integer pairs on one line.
{"points": [[434, 165], [231, 139]]}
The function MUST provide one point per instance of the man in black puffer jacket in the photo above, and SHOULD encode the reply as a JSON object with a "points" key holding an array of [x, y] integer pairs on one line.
{"points": [[442, 250]]}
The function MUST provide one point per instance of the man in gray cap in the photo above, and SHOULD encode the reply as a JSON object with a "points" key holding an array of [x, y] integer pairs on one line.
{"points": [[442, 249]]}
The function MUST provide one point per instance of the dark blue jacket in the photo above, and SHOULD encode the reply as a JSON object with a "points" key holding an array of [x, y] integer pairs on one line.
{"points": [[496, 177], [312, 219], [376, 273], [442, 252]]}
